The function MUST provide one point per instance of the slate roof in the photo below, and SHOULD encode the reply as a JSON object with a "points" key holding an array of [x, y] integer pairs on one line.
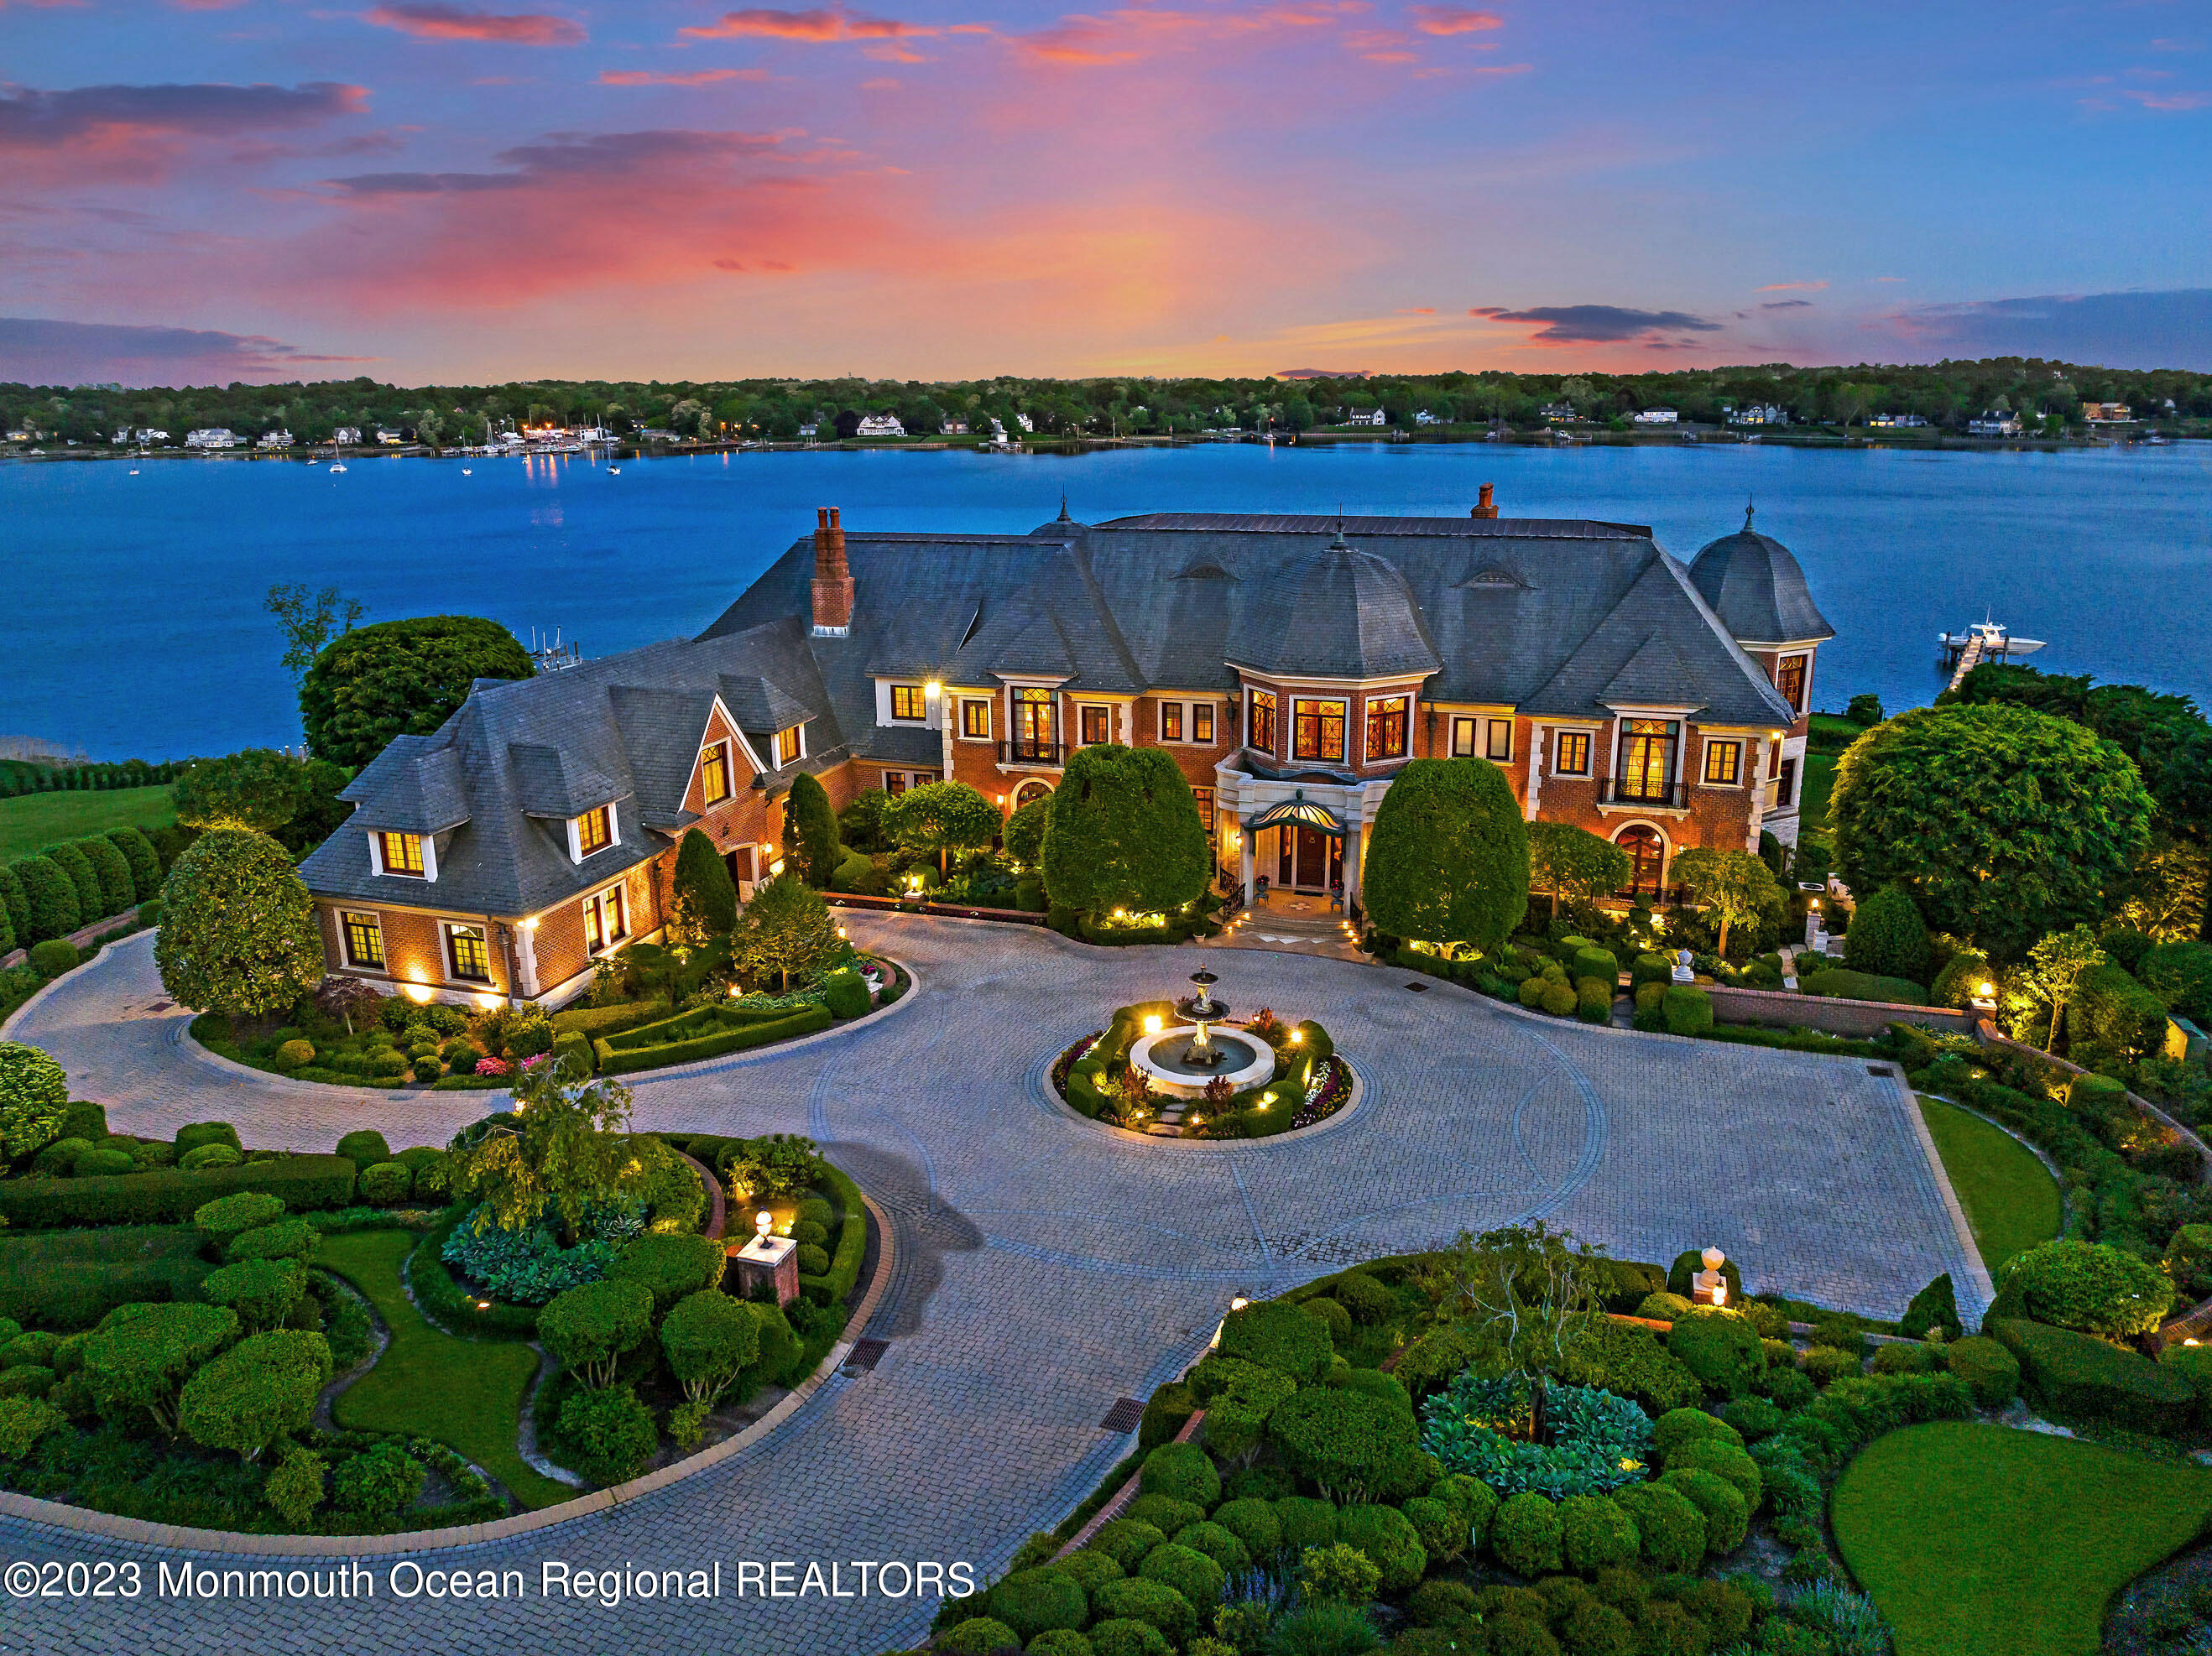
{"points": [[1756, 587], [498, 780]]}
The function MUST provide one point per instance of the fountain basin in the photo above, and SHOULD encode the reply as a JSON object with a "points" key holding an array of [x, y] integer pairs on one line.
{"points": [[1247, 1061]]}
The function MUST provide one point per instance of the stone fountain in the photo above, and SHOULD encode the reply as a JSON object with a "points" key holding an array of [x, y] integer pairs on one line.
{"points": [[1182, 1060]]}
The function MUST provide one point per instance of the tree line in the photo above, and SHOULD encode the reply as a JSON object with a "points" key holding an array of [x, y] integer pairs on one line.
{"points": [[2048, 394]]}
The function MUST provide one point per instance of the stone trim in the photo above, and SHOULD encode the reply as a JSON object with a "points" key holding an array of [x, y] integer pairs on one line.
{"points": [[1779, 1010], [1123, 1497], [230, 1543]]}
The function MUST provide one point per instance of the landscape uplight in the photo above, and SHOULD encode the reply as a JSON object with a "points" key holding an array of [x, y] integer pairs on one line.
{"points": [[1152, 1024]]}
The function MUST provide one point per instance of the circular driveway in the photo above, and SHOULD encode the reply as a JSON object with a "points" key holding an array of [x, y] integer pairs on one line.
{"points": [[1045, 1269]]}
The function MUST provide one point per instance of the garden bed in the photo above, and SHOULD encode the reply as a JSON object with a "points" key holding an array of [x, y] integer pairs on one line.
{"points": [[1309, 1083]]}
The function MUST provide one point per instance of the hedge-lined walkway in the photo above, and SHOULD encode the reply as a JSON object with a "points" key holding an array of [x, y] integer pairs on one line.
{"points": [[1045, 1269]]}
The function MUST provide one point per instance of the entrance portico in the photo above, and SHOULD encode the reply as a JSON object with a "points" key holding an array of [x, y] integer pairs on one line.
{"points": [[1304, 835]]}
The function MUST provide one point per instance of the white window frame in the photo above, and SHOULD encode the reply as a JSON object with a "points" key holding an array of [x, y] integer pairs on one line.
{"points": [[891, 715], [1805, 683], [1706, 759], [1085, 708], [776, 744], [446, 930], [1589, 735], [1473, 728], [429, 874], [576, 852], [619, 894], [990, 723], [1212, 738], [1182, 737], [1343, 753], [346, 917]]}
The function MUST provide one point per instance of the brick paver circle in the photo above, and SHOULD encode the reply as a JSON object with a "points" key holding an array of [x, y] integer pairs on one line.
{"points": [[1043, 1271]]}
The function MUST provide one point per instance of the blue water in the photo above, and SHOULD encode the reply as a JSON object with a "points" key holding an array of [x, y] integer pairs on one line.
{"points": [[132, 624]]}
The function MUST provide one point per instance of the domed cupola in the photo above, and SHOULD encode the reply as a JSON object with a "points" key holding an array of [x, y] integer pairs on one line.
{"points": [[1341, 613], [1753, 584]]}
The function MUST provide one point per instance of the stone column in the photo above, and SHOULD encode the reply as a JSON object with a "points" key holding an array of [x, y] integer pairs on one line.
{"points": [[1244, 858], [1355, 846], [526, 960]]}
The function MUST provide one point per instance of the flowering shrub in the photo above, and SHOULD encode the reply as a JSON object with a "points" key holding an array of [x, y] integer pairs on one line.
{"points": [[1600, 1442], [494, 1066], [1332, 1088]]}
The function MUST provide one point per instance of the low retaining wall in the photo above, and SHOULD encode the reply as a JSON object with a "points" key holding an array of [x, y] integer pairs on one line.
{"points": [[1779, 1010], [1989, 1037], [907, 905]]}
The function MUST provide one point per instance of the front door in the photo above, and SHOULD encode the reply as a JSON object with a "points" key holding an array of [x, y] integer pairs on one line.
{"points": [[1320, 860]]}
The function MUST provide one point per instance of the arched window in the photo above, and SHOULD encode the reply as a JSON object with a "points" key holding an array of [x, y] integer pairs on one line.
{"points": [[1028, 791], [1647, 859]]}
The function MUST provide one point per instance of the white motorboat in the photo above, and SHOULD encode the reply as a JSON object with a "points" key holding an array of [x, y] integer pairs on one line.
{"points": [[1995, 643]]}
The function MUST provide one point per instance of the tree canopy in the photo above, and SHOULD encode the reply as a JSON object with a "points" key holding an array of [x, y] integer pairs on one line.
{"points": [[1570, 862], [703, 901], [238, 928], [400, 677], [2002, 824], [941, 816], [1447, 858], [786, 929], [563, 1147], [1124, 832], [1736, 886], [265, 791]]}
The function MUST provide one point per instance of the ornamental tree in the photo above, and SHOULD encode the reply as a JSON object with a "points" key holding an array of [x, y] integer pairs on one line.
{"points": [[2003, 824], [34, 1098], [786, 929], [400, 677], [1026, 831], [1570, 862], [1448, 860], [809, 831], [237, 929], [709, 1338], [703, 900], [942, 817], [563, 1147], [1736, 886], [587, 1329], [263, 1388], [1888, 938], [1124, 832], [140, 1355], [138, 851], [2054, 967]]}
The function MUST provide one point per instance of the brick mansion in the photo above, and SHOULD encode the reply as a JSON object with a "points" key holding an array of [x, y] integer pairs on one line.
{"points": [[1290, 665]]}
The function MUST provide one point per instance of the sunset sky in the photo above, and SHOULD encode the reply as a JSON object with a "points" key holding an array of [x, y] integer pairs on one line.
{"points": [[211, 190]]}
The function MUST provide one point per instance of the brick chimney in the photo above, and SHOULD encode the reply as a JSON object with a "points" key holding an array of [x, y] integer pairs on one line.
{"points": [[833, 577], [1484, 505]]}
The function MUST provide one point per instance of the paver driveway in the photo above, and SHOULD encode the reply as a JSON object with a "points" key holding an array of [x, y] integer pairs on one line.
{"points": [[1046, 1268]]}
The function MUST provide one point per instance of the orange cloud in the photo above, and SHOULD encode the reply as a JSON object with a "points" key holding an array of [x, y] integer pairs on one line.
{"points": [[821, 25], [1453, 20], [699, 77], [442, 22], [1790, 288]]}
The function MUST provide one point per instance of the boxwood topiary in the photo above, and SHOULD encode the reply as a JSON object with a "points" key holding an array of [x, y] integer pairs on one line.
{"points": [[363, 1146], [1305, 1522], [1473, 1503], [1680, 1427], [1035, 1601], [1442, 1536], [1594, 1532], [979, 1635], [1367, 1300], [1120, 1636], [263, 1292], [1332, 1314], [1351, 1444], [1720, 1348], [1280, 1336], [1754, 1419], [1391, 1543], [674, 1267], [104, 1161], [587, 1329], [1254, 1523], [1125, 1541], [1191, 1573], [1557, 997], [1217, 1542], [1687, 1010], [1183, 1470], [385, 1184], [1724, 1460], [1670, 1530], [1164, 1511], [1088, 1568], [1525, 1536], [1726, 1512], [208, 1157], [1153, 1602], [2092, 1287], [1663, 1308]]}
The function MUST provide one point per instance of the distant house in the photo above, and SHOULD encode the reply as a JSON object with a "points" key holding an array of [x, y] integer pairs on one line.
{"points": [[2107, 414], [152, 434], [1423, 417], [1897, 420], [1760, 413], [879, 425], [122, 436], [350, 435], [1558, 413], [953, 428], [1655, 417], [274, 439], [1996, 422], [1364, 417], [389, 438], [809, 429], [1025, 423], [211, 437], [19, 436]]}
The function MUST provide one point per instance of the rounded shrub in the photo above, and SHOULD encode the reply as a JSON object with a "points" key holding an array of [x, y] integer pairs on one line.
{"points": [[104, 1161], [1726, 1512], [58, 1159], [1720, 1348], [1059, 1641], [2092, 1287], [1333, 1314], [1725, 1460], [1753, 1418], [381, 1481], [1826, 1364], [1687, 1010], [1280, 1336], [612, 1432], [1525, 1536], [1593, 1000], [1348, 1442], [1088, 1568], [1305, 1522], [979, 1635], [1663, 1308], [1183, 1470], [388, 1064], [385, 1184], [1035, 1601], [263, 1292], [53, 957], [1594, 1532], [1367, 1300], [1787, 1388], [208, 1155], [1473, 1503], [1392, 1544], [295, 1055], [675, 1267], [35, 1348], [363, 1146], [1191, 1573], [1164, 1511], [1154, 1602], [1442, 1536], [1991, 1372], [1680, 1427], [1253, 1523], [1441, 1603], [1558, 997], [809, 1230], [1124, 1636], [1218, 1542], [813, 1261], [427, 1069], [1905, 1360], [1125, 1541], [1531, 991], [1670, 1530]]}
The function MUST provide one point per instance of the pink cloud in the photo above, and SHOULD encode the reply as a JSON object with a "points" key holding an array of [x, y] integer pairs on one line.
{"points": [[1134, 34], [1453, 20], [697, 77], [1790, 288], [2166, 101], [104, 133], [442, 22], [821, 25]]}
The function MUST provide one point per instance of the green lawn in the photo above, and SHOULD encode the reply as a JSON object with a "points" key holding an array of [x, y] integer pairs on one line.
{"points": [[1813, 789], [30, 822], [1977, 1538], [2011, 1200], [466, 1394]]}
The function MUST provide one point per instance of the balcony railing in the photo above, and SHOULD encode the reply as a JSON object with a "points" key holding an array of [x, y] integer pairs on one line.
{"points": [[1616, 791], [1052, 754]]}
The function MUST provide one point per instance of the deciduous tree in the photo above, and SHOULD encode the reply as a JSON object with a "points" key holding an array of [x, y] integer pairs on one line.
{"points": [[1124, 832], [1570, 862], [561, 1147], [400, 676], [786, 929], [942, 817], [237, 929], [2055, 965], [1447, 858], [256, 788], [1734, 884]]}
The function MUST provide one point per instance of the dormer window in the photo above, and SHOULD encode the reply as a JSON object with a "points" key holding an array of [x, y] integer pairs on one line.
{"points": [[714, 774], [593, 831], [400, 853], [790, 745], [910, 702]]}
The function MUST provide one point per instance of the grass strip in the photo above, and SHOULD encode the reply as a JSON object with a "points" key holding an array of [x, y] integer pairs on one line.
{"points": [[2011, 1200]]}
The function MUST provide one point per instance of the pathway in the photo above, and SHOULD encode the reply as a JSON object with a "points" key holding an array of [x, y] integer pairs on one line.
{"points": [[1046, 1268]]}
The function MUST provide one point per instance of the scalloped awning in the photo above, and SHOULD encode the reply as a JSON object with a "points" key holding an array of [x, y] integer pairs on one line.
{"points": [[1297, 811]]}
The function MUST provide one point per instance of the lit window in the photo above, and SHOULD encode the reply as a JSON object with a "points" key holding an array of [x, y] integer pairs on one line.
{"points": [[1262, 734], [1201, 722], [1501, 738], [1094, 724], [1790, 679], [606, 921], [1573, 752], [1205, 797], [1171, 721], [1724, 763], [790, 746], [975, 720], [594, 831], [1386, 728], [908, 702], [364, 940], [1462, 738], [465, 948], [1317, 730], [895, 783], [1647, 760], [714, 773], [403, 853]]}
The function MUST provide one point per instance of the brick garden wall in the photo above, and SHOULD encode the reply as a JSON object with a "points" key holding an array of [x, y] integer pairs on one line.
{"points": [[1860, 1018]]}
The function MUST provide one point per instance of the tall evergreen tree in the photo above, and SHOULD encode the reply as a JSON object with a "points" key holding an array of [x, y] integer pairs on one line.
{"points": [[1448, 860], [809, 831], [703, 898], [1124, 832]]}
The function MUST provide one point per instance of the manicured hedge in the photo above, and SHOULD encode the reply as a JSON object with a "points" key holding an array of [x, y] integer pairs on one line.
{"points": [[852, 1244], [1837, 984], [2077, 1375], [595, 1021], [166, 1196], [623, 1060]]}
